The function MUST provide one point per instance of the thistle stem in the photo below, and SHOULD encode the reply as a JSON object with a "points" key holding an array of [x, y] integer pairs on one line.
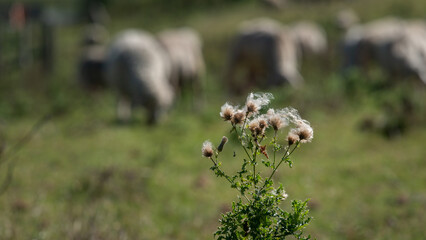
{"points": [[275, 142], [241, 143], [213, 161], [254, 163], [286, 155]]}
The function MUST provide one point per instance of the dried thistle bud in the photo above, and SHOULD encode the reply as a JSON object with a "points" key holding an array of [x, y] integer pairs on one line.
{"points": [[254, 127], [222, 143], [305, 132], [251, 107], [238, 117], [278, 119], [226, 112], [292, 137], [255, 101], [207, 149], [263, 124], [275, 122]]}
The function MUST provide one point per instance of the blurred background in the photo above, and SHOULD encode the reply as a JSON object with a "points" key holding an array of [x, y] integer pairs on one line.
{"points": [[71, 168]]}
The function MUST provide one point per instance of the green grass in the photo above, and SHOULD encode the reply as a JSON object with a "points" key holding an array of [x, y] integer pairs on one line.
{"points": [[83, 176]]}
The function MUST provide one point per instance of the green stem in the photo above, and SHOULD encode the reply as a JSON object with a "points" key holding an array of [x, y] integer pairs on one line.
{"points": [[213, 161], [243, 127], [254, 162], [285, 156], [275, 142], [241, 143]]}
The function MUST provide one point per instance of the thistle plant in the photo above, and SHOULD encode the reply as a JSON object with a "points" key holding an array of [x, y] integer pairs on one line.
{"points": [[257, 213]]}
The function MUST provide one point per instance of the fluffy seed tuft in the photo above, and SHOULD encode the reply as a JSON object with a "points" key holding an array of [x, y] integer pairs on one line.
{"points": [[226, 112], [207, 149], [255, 101], [304, 131], [263, 124], [254, 127], [277, 119], [292, 138], [238, 117]]}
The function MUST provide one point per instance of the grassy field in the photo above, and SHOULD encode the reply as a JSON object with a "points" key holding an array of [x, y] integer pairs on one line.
{"points": [[83, 176]]}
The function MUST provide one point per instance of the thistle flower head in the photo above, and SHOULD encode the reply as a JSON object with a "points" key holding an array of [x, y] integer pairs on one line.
{"points": [[254, 127], [304, 131], [238, 117], [278, 119], [263, 123], [227, 111], [207, 149], [255, 101], [292, 138], [276, 122]]}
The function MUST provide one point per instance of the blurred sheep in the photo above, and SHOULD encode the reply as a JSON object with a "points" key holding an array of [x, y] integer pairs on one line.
{"points": [[274, 4], [184, 49], [138, 70], [363, 43], [309, 37], [265, 53], [92, 59], [398, 46], [346, 18], [409, 51]]}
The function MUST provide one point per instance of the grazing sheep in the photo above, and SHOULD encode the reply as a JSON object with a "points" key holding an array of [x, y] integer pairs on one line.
{"points": [[346, 18], [184, 49], [409, 51], [138, 69], [398, 46], [363, 43], [264, 51], [309, 37], [92, 59], [274, 4]]}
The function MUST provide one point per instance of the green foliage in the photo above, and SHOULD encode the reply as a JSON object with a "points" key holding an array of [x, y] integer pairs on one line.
{"points": [[257, 213]]}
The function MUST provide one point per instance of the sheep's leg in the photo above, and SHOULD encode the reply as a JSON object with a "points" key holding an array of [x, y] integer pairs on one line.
{"points": [[233, 65], [154, 115], [124, 109]]}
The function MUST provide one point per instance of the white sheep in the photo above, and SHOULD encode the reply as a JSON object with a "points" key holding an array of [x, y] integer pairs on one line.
{"points": [[363, 43], [309, 37], [184, 49], [346, 18], [138, 69], [397, 46], [409, 51], [265, 53]]}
